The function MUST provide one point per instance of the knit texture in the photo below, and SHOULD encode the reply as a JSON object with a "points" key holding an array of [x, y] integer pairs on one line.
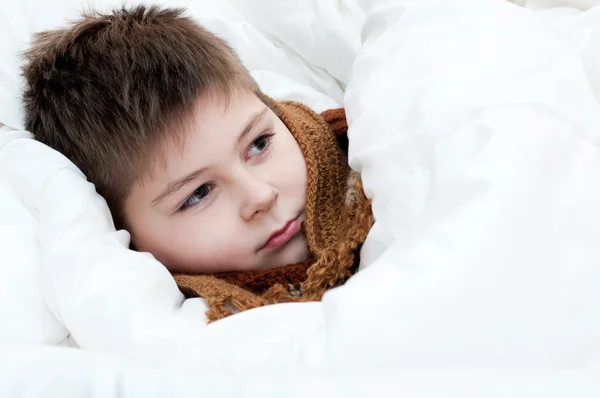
{"points": [[338, 218]]}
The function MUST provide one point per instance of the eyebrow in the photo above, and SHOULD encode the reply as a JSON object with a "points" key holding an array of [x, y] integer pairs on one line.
{"points": [[174, 186], [252, 122]]}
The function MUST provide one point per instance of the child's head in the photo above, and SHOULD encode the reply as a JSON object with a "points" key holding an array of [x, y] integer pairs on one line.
{"points": [[162, 117]]}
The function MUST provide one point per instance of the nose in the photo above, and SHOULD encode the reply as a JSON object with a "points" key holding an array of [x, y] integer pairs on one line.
{"points": [[258, 196]]}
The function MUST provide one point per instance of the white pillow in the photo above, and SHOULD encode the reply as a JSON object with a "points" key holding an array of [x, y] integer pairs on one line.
{"points": [[24, 315]]}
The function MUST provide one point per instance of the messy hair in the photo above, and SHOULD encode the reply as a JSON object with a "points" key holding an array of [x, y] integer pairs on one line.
{"points": [[108, 90]]}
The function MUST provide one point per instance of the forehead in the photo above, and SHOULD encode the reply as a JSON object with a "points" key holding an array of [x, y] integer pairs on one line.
{"points": [[222, 117], [210, 130]]}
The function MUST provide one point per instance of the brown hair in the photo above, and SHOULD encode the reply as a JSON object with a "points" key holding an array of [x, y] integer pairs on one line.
{"points": [[111, 88]]}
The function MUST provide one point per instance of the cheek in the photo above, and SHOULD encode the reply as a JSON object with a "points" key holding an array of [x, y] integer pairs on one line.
{"points": [[293, 168], [196, 242], [300, 175], [207, 231]]}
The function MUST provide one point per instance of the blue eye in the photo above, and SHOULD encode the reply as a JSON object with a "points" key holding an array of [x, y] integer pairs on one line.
{"points": [[259, 145], [198, 196]]}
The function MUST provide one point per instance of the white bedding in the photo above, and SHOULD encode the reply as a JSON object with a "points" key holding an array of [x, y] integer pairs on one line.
{"points": [[475, 126]]}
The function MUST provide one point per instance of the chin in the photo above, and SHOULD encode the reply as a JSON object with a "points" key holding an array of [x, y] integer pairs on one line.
{"points": [[298, 251], [294, 252]]}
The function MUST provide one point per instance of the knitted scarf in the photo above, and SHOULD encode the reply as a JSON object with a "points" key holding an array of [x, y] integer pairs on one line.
{"points": [[338, 218]]}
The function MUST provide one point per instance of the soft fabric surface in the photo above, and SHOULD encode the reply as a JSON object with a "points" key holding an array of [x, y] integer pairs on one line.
{"points": [[475, 127]]}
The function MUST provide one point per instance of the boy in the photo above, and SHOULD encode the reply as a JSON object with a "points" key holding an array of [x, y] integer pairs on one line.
{"points": [[206, 173]]}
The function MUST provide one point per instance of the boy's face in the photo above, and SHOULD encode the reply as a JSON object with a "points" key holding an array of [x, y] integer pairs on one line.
{"points": [[230, 199]]}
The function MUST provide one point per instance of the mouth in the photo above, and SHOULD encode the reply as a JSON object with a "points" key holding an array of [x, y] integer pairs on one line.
{"points": [[283, 235]]}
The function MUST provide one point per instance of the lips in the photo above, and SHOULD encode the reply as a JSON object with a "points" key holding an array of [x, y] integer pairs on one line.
{"points": [[283, 235]]}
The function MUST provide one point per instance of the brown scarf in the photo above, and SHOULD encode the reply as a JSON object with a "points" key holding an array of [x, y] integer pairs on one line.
{"points": [[338, 218]]}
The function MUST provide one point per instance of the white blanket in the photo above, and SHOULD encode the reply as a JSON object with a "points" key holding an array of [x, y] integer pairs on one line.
{"points": [[475, 127]]}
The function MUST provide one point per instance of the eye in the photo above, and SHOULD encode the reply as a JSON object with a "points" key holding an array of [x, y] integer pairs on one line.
{"points": [[259, 145], [198, 196]]}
